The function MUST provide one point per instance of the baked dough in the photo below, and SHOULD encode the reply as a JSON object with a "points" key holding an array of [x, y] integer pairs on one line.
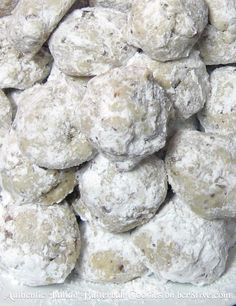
{"points": [[6, 7], [107, 257], [124, 115], [201, 169], [34, 20], [58, 144], [217, 47], [219, 113], [18, 71], [39, 245], [167, 29], [91, 41], [26, 182], [186, 81], [222, 14], [5, 116], [121, 5], [120, 201], [179, 246]]}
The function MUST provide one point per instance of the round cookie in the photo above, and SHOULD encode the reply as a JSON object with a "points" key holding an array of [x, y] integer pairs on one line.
{"points": [[18, 71], [202, 171], [26, 182], [219, 113], [33, 21], [222, 14], [106, 257], [124, 115], [121, 201], [6, 7], [167, 29], [217, 47], [121, 5], [58, 144], [186, 81], [39, 245], [179, 246], [91, 41], [5, 116]]}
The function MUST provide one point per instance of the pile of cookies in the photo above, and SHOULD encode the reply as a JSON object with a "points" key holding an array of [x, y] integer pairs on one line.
{"points": [[117, 142]]}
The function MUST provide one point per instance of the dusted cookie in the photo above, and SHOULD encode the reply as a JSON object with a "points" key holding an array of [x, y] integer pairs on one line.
{"points": [[121, 201], [124, 114], [26, 182], [6, 6], [179, 246], [91, 41], [33, 21], [39, 245], [18, 71], [106, 257], [167, 30], [121, 5], [47, 126], [219, 114], [217, 47], [185, 80], [222, 14], [5, 116], [202, 171]]}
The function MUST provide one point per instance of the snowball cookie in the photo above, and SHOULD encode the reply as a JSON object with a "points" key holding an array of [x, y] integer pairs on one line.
{"points": [[217, 47], [106, 257], [222, 14], [5, 116], [179, 246], [121, 5], [124, 114], [167, 29], [202, 171], [219, 114], [6, 6], [47, 126], [27, 182], [33, 21], [39, 245], [18, 71], [186, 81], [91, 41], [122, 200]]}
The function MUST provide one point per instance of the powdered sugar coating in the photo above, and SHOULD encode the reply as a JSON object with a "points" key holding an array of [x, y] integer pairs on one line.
{"points": [[167, 29], [33, 21], [18, 71], [91, 41], [121, 201], [124, 114], [107, 257], [185, 81], [222, 14], [39, 245], [201, 169], [121, 5], [217, 47], [179, 246], [231, 230], [27, 182], [219, 113], [6, 7], [59, 144], [5, 116]]}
